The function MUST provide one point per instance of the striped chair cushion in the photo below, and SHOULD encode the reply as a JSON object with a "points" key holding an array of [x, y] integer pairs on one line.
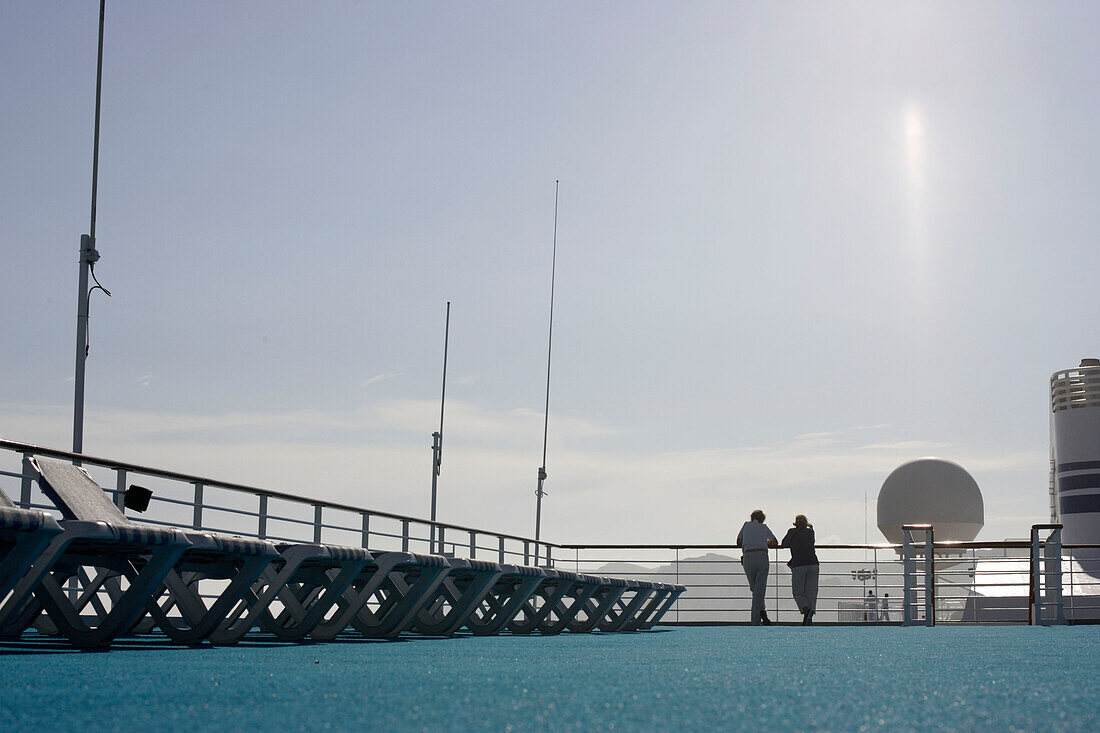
{"points": [[341, 553], [21, 520], [430, 561], [243, 545], [483, 566], [137, 534]]}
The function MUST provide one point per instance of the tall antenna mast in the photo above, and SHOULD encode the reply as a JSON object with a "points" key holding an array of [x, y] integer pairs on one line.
{"points": [[88, 257], [539, 493], [437, 437]]}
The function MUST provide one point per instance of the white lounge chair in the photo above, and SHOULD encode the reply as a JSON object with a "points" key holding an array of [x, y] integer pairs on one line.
{"points": [[209, 555], [90, 553]]}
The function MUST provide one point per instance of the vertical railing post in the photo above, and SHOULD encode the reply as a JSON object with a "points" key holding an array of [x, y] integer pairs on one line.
{"points": [[1054, 573], [908, 578], [442, 538], [1072, 589], [775, 584], [1046, 576], [526, 552], [261, 524], [120, 489], [1034, 605], [317, 523], [500, 545], [25, 483], [404, 535], [366, 530], [677, 583], [473, 545], [549, 557], [197, 520], [909, 574], [930, 576]]}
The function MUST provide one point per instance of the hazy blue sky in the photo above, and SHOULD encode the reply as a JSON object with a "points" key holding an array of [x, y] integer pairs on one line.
{"points": [[799, 244]]}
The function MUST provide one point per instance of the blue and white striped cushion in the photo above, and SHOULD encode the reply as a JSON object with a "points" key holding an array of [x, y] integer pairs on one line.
{"points": [[21, 520], [244, 545], [341, 553], [138, 534]]}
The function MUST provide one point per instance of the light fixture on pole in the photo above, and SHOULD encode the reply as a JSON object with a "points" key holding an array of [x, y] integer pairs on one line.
{"points": [[437, 437], [863, 575], [88, 257]]}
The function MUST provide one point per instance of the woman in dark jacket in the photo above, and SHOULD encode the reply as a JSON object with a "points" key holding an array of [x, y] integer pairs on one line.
{"points": [[804, 566]]}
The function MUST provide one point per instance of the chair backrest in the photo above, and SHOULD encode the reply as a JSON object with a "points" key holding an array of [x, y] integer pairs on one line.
{"points": [[75, 494]]}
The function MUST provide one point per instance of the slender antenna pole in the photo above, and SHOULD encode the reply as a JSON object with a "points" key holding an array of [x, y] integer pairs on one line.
{"points": [[865, 523], [88, 257], [437, 437], [539, 493]]}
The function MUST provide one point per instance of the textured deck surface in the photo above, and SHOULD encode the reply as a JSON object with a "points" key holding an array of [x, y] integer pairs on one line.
{"points": [[841, 678]]}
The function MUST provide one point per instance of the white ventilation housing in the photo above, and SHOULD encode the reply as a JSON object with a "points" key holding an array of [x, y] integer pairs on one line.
{"points": [[1075, 453]]}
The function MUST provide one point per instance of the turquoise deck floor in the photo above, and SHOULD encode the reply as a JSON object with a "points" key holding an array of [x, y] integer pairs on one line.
{"points": [[780, 678]]}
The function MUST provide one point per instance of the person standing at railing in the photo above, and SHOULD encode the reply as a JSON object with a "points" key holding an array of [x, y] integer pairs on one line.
{"points": [[884, 605], [754, 539], [805, 568]]}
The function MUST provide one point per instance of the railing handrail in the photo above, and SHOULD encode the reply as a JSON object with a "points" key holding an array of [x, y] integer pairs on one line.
{"points": [[192, 479]]}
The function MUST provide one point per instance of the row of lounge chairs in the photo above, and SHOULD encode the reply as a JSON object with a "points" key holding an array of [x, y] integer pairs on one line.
{"points": [[96, 575]]}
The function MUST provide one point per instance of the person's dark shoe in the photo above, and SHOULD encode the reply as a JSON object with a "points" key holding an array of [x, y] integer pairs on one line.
{"points": [[764, 620], [808, 619]]}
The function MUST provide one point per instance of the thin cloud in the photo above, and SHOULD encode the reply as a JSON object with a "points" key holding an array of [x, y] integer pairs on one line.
{"points": [[376, 378], [906, 445]]}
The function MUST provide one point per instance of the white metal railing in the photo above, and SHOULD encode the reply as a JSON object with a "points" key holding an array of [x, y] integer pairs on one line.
{"points": [[920, 581], [857, 583], [182, 500]]}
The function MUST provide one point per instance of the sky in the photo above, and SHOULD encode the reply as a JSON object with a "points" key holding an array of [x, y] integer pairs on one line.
{"points": [[798, 244]]}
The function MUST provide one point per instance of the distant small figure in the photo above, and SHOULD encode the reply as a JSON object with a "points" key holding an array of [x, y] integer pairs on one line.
{"points": [[870, 607], [885, 606], [754, 539], [805, 568]]}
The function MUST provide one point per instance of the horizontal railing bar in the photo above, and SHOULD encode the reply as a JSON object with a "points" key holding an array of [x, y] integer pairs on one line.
{"points": [[163, 499], [291, 520], [229, 510]]}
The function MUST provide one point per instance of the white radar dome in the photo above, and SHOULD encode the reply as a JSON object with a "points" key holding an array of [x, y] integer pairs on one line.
{"points": [[931, 491]]}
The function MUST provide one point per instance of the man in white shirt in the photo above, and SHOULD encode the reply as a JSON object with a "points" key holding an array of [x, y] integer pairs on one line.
{"points": [[754, 539]]}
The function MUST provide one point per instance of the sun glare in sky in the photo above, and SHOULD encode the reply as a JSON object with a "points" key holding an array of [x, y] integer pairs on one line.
{"points": [[914, 146], [913, 128]]}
